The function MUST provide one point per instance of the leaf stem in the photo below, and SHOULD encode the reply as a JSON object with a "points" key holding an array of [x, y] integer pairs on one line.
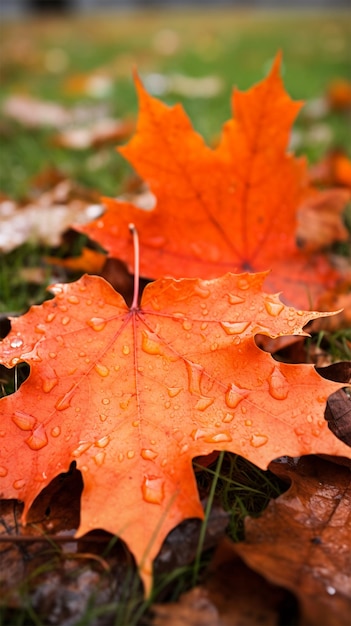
{"points": [[204, 524], [134, 232]]}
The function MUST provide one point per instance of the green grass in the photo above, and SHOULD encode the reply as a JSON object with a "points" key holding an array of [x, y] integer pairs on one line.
{"points": [[239, 48]]}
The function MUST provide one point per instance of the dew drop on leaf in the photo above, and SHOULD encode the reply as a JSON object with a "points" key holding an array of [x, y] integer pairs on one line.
{"points": [[153, 489], [103, 417], [187, 325], [234, 299], [50, 317], [64, 402], [97, 323], [150, 343], [243, 284], [234, 328], [203, 403], [218, 438], [228, 418], [102, 443], [56, 431], [105, 401], [24, 421], [273, 308], [99, 458], [83, 447], [148, 455], [258, 440], [49, 383], [40, 329], [233, 396], [38, 438], [201, 289], [102, 370], [65, 320], [126, 350], [3, 471], [19, 484], [173, 391], [130, 454], [195, 372], [16, 343], [73, 299], [278, 385]]}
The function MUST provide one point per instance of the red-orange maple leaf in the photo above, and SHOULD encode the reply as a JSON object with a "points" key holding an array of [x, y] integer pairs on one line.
{"points": [[132, 395], [229, 209]]}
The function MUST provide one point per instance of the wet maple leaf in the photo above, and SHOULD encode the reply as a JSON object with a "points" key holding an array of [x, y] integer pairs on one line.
{"points": [[133, 395], [229, 209]]}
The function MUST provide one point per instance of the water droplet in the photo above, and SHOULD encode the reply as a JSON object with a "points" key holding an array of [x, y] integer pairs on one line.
{"points": [[16, 343], [331, 590], [65, 320], [50, 317], [126, 350], [234, 328], [184, 448], [243, 283], [148, 455], [258, 440], [52, 355], [136, 423], [97, 323], [105, 401], [278, 385], [64, 402], [73, 299], [273, 308], [130, 454], [173, 391], [3, 471], [234, 395], [19, 484], [201, 289], [102, 443], [82, 447], [40, 329], [167, 404], [49, 383], [309, 419], [234, 299], [103, 417], [38, 438], [150, 343], [56, 431], [204, 325], [187, 325], [178, 434], [228, 418], [125, 402], [99, 458], [203, 403], [218, 438], [120, 457], [24, 421], [248, 422], [195, 372], [153, 489], [102, 370]]}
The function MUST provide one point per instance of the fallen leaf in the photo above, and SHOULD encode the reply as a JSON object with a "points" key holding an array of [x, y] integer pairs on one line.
{"points": [[133, 395], [320, 219], [90, 261], [46, 218], [333, 169], [338, 414], [232, 595], [95, 134], [339, 94], [302, 540], [229, 209]]}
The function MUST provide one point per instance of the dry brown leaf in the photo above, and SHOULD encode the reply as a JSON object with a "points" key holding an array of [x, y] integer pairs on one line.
{"points": [[303, 539]]}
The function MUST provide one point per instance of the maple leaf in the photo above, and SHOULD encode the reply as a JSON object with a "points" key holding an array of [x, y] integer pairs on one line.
{"points": [[228, 209], [133, 395]]}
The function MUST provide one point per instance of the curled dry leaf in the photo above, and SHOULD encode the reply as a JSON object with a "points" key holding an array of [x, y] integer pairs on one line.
{"points": [[302, 540], [133, 395], [229, 209]]}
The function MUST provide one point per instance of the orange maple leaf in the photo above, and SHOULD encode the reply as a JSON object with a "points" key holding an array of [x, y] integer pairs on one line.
{"points": [[229, 209], [133, 395]]}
